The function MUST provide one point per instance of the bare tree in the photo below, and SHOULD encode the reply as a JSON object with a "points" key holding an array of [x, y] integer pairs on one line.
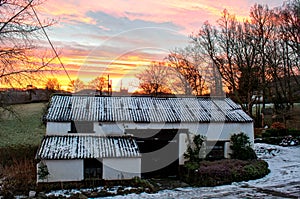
{"points": [[188, 71], [154, 79], [232, 50], [20, 29], [20, 59], [288, 27], [52, 84], [99, 83], [218, 44], [76, 85], [263, 27], [245, 58], [257, 53], [180, 66]]}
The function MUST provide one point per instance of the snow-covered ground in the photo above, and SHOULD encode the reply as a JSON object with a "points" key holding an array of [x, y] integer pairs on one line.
{"points": [[282, 182]]}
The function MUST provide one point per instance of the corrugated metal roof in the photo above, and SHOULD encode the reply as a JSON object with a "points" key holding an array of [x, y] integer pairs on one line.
{"points": [[144, 109], [87, 146]]}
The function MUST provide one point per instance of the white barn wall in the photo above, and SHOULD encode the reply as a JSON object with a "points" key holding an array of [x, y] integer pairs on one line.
{"points": [[213, 131], [183, 143], [64, 170], [58, 128], [227, 150], [121, 168], [107, 129], [223, 131]]}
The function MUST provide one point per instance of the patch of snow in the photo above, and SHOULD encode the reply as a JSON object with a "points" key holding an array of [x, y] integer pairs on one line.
{"points": [[128, 188], [113, 190], [283, 181]]}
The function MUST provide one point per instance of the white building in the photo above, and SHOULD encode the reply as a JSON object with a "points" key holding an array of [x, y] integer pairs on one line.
{"points": [[162, 128], [79, 157]]}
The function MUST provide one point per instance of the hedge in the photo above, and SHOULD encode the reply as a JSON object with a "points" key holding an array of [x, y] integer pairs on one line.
{"points": [[281, 132], [224, 172]]}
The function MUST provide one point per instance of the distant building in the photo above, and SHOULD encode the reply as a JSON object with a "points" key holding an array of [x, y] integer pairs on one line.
{"points": [[127, 136]]}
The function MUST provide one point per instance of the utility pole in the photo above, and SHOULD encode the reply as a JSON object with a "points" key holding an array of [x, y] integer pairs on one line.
{"points": [[109, 88]]}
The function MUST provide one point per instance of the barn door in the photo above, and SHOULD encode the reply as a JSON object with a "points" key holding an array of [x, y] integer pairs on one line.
{"points": [[93, 169], [160, 151]]}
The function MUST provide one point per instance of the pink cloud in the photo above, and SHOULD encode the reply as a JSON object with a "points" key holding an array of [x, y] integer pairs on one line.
{"points": [[188, 14]]}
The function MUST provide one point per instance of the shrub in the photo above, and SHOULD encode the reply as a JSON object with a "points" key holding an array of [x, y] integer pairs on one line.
{"points": [[281, 132], [256, 170], [294, 132], [20, 177], [193, 151], [18, 169], [277, 129], [266, 134], [226, 171], [241, 147], [9, 155], [43, 171], [138, 182], [277, 125], [275, 132]]}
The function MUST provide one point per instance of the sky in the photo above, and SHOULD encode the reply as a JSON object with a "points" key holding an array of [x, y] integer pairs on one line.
{"points": [[120, 38]]}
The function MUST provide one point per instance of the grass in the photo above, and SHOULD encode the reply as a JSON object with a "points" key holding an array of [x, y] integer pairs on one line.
{"points": [[24, 128], [20, 135]]}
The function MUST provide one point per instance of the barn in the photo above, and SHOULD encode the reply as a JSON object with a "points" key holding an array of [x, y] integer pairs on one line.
{"points": [[89, 157], [161, 128]]}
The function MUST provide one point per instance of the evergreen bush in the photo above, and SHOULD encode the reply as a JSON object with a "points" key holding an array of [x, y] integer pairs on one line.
{"points": [[241, 147], [43, 171], [194, 153]]}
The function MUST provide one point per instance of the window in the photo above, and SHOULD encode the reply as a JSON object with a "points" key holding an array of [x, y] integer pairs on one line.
{"points": [[82, 127], [215, 150]]}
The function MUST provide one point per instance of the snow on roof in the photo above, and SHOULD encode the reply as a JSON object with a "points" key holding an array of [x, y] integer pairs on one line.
{"points": [[87, 146], [65, 108]]}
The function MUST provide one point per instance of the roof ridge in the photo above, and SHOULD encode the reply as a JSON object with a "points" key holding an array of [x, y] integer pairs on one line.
{"points": [[92, 135], [139, 96]]}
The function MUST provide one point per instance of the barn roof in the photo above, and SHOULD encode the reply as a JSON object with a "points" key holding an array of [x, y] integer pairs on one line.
{"points": [[87, 146], [65, 108]]}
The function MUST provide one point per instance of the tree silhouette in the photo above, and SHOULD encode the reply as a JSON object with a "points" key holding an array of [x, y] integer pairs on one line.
{"points": [[187, 69], [154, 79], [20, 59], [52, 84], [99, 83], [259, 56], [76, 85]]}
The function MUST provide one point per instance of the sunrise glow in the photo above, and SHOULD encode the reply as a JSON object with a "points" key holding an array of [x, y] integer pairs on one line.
{"points": [[119, 38]]}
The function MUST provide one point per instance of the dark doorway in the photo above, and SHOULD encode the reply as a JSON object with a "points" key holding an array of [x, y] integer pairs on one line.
{"points": [[160, 151], [92, 169], [82, 127]]}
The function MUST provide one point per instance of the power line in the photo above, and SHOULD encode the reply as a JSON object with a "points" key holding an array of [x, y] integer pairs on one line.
{"points": [[56, 54]]}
